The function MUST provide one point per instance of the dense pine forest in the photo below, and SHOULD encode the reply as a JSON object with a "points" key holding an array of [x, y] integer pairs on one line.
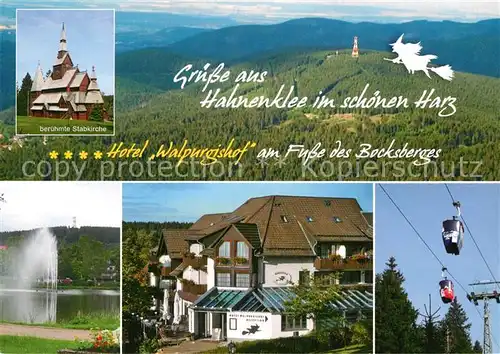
{"points": [[399, 329], [151, 106]]}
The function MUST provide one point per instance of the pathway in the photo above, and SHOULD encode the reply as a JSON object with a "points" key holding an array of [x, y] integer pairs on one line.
{"points": [[44, 332], [190, 347]]}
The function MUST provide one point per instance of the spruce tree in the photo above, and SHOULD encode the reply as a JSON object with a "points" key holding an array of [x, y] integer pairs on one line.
{"points": [[432, 337], [23, 96], [456, 330], [477, 347], [395, 316]]}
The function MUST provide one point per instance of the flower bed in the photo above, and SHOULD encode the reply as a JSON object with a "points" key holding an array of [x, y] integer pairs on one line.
{"points": [[102, 342]]}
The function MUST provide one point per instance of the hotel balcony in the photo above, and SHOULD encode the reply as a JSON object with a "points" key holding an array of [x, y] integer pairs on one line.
{"points": [[196, 289], [343, 264], [194, 261]]}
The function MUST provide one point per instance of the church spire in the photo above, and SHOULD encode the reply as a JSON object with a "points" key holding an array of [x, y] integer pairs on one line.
{"points": [[38, 80], [93, 81], [62, 42]]}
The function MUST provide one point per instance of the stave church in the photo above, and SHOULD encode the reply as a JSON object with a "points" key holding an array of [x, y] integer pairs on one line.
{"points": [[67, 93]]}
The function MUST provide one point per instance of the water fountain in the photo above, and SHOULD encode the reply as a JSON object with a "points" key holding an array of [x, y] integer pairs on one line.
{"points": [[31, 269]]}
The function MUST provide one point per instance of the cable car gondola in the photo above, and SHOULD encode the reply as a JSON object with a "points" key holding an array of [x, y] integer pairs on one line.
{"points": [[446, 289], [453, 233]]}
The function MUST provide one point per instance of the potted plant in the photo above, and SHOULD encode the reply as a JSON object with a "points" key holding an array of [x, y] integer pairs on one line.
{"points": [[223, 261], [240, 260], [335, 257], [360, 257]]}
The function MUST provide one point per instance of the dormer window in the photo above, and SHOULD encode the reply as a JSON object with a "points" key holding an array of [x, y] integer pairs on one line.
{"points": [[224, 250], [284, 218], [328, 203], [337, 219], [309, 218]]}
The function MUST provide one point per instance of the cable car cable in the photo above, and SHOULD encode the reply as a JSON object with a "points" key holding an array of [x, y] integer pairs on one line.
{"points": [[471, 236], [432, 252], [421, 238]]}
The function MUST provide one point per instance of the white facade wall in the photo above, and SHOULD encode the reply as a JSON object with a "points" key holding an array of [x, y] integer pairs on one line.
{"points": [[196, 248], [239, 326], [279, 271], [192, 320], [277, 332], [210, 273], [181, 307], [197, 276], [153, 280]]}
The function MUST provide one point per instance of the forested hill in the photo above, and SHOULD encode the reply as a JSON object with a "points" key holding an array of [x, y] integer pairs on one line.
{"points": [[109, 236], [471, 133], [469, 47]]}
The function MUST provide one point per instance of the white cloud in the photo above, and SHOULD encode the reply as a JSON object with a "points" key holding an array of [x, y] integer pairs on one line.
{"points": [[42, 204], [278, 8]]}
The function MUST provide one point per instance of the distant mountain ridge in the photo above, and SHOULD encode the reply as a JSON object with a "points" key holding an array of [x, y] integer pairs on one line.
{"points": [[127, 41], [469, 47], [104, 234]]}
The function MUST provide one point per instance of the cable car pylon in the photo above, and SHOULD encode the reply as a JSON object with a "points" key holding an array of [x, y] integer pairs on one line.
{"points": [[486, 297]]}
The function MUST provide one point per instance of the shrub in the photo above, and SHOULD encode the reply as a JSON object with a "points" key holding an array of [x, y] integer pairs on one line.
{"points": [[149, 346], [360, 334]]}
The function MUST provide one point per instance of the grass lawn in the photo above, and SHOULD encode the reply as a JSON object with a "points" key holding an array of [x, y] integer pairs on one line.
{"points": [[275, 346], [22, 344], [54, 126], [82, 321]]}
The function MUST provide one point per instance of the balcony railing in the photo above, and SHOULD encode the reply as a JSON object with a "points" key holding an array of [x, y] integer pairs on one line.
{"points": [[340, 264], [194, 261], [192, 288]]}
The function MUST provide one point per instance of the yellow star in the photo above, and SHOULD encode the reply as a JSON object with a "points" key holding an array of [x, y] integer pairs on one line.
{"points": [[83, 155], [98, 155], [53, 154], [68, 155]]}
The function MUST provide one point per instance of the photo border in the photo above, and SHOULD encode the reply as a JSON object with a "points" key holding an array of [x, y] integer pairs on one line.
{"points": [[114, 73]]}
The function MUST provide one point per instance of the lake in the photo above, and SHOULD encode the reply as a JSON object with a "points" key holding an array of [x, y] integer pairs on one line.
{"points": [[40, 306]]}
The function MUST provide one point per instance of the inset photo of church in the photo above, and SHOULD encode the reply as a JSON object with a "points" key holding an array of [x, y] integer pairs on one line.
{"points": [[65, 72]]}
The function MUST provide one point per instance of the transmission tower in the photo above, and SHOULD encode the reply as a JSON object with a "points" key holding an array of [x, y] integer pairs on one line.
{"points": [[485, 296]]}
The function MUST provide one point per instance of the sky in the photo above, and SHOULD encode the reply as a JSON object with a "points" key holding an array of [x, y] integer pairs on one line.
{"points": [[279, 10], [186, 202], [90, 41], [426, 206], [47, 204]]}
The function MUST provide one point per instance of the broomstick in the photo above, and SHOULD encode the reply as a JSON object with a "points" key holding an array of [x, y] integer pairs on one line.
{"points": [[445, 71]]}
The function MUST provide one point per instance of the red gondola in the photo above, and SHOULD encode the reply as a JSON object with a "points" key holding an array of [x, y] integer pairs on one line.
{"points": [[447, 292]]}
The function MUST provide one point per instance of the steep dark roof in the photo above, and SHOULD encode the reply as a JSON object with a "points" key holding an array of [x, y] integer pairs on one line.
{"points": [[175, 239], [207, 220], [291, 225], [369, 217], [250, 232]]}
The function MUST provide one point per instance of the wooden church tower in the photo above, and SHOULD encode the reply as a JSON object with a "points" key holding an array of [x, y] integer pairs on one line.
{"points": [[355, 51]]}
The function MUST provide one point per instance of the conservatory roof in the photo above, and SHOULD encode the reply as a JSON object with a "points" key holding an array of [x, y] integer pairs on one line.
{"points": [[220, 299], [272, 299]]}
